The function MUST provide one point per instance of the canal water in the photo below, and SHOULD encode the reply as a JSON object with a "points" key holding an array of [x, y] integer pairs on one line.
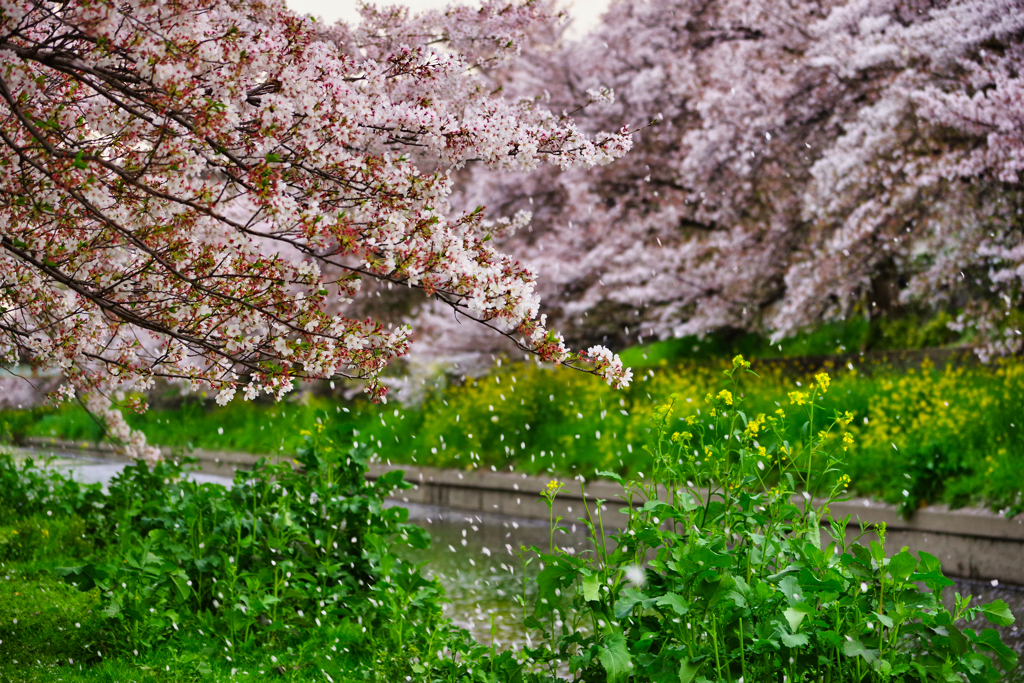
{"points": [[479, 559]]}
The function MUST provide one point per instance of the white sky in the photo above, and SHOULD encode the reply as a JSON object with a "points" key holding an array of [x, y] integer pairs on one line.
{"points": [[585, 13]]}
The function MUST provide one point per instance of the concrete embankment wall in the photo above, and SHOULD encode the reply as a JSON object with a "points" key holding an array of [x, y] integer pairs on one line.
{"points": [[972, 543]]}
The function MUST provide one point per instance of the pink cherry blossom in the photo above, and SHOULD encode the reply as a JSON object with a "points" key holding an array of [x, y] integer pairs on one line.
{"points": [[197, 190]]}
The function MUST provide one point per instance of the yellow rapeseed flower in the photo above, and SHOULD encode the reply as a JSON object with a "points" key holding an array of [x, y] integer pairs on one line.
{"points": [[798, 397], [823, 381], [755, 425], [725, 396]]}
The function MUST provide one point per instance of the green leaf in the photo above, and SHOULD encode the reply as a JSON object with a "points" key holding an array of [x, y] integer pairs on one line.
{"points": [[886, 621], [673, 601], [614, 657], [813, 532], [998, 613], [794, 617], [794, 640], [854, 648], [990, 640], [791, 589], [609, 475], [654, 505], [902, 565], [688, 670], [79, 577], [957, 639], [181, 583], [533, 622], [627, 601], [929, 563], [591, 588], [684, 501]]}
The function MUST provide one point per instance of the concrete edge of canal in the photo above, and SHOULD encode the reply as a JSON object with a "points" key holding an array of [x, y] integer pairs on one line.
{"points": [[972, 543]]}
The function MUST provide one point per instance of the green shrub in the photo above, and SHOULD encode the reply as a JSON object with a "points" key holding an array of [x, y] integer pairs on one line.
{"points": [[27, 490], [282, 551]]}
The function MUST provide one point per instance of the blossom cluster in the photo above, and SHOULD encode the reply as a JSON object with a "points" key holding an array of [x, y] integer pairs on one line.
{"points": [[197, 190], [807, 161]]}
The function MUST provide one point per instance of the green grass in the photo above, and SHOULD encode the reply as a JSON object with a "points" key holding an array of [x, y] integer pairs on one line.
{"points": [[52, 632]]}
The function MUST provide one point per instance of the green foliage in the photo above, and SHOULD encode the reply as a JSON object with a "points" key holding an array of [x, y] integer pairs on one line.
{"points": [[723, 571], [857, 334], [949, 434], [720, 575], [295, 568], [40, 536], [27, 490], [281, 549]]}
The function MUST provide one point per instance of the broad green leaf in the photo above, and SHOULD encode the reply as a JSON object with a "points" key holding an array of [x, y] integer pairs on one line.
{"points": [[614, 657], [854, 648], [591, 587], [813, 532], [791, 589], [934, 580], [688, 671], [959, 642], [794, 617], [794, 640], [997, 613], [675, 602], [627, 601], [181, 583], [684, 501], [902, 565], [886, 621], [989, 640], [929, 563]]}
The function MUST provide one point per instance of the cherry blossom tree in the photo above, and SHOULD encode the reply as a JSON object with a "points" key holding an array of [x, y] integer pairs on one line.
{"points": [[811, 161], [195, 190]]}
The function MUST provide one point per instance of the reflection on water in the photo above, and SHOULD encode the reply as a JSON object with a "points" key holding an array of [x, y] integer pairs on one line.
{"points": [[480, 561], [477, 558]]}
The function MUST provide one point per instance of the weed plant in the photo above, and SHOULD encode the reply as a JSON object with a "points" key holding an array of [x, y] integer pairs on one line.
{"points": [[720, 575]]}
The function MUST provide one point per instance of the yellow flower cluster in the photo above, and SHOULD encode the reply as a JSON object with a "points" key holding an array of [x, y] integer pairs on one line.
{"points": [[738, 362], [755, 426], [725, 396], [847, 441], [682, 437], [823, 381], [798, 398]]}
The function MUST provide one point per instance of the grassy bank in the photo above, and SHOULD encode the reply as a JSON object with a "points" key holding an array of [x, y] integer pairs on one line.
{"points": [[162, 579], [296, 575], [923, 435]]}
